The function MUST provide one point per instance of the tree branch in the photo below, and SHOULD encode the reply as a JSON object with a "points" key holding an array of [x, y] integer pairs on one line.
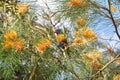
{"points": [[113, 21], [33, 72], [105, 66]]}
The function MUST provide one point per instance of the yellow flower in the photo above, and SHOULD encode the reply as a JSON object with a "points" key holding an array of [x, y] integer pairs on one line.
{"points": [[40, 47], [76, 34], [10, 35], [113, 8], [93, 55], [79, 41], [88, 33], [7, 44], [96, 66], [42, 44], [84, 35], [23, 7], [118, 61], [81, 21], [19, 44], [116, 77], [91, 59]]}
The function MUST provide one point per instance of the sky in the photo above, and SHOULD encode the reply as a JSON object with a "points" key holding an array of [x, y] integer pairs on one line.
{"points": [[105, 29]]}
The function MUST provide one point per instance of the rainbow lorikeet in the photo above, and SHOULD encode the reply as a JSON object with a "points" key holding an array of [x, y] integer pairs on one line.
{"points": [[61, 38]]}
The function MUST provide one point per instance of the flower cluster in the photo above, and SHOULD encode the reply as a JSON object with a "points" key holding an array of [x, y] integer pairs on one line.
{"points": [[77, 3], [88, 33], [11, 40], [84, 35], [79, 41], [96, 66], [92, 59], [116, 77], [22, 8], [116, 61], [93, 55], [42, 44]]}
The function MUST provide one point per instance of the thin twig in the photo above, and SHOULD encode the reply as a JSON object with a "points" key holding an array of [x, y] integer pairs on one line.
{"points": [[33, 71], [105, 66]]}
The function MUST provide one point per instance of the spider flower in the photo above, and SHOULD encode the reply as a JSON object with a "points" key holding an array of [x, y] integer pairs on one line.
{"points": [[93, 55], [19, 44], [96, 66], [10, 35], [79, 41], [77, 34], [88, 33], [77, 3], [23, 7], [42, 44], [116, 77], [7, 44]]}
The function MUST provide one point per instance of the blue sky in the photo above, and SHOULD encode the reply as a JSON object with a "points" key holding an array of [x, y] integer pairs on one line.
{"points": [[104, 27]]}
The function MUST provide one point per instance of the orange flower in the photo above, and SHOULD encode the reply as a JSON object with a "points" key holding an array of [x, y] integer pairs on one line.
{"points": [[91, 59], [41, 47], [10, 35], [88, 33], [116, 77], [79, 41], [42, 44], [19, 44], [93, 55], [118, 61], [47, 43], [77, 3], [81, 21], [74, 2], [76, 34], [8, 44], [96, 66], [23, 7]]}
